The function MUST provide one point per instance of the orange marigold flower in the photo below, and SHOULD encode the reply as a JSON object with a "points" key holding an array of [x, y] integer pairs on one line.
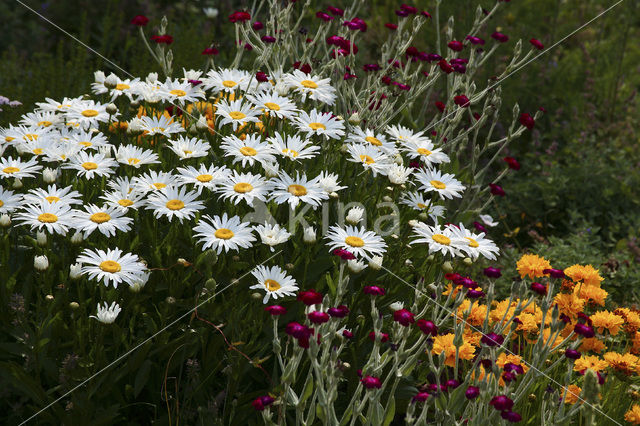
{"points": [[529, 324], [569, 304], [473, 337], [573, 394], [546, 335], [587, 274], [476, 316], [633, 415], [532, 265], [626, 363], [505, 358], [591, 293], [444, 343], [608, 320], [592, 362], [592, 344], [631, 318]]}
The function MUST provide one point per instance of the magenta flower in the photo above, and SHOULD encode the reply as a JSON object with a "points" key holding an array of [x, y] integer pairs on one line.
{"points": [[475, 294], [335, 11], [262, 77], [455, 45], [555, 273], [492, 272], [239, 17], [472, 392], [373, 290], [461, 100], [347, 334], [497, 190], [162, 39], [261, 402], [257, 25], [339, 312], [427, 327], [371, 382], [421, 397], [344, 254], [297, 330], [511, 416], [479, 227], [572, 354], [275, 310], [324, 16], [501, 402], [512, 163], [268, 39], [584, 330], [404, 317], [391, 26], [536, 43], [474, 40], [452, 383], [502, 38], [309, 297], [384, 337], [527, 120], [539, 288], [140, 20], [445, 66], [492, 339], [210, 51], [318, 317]]}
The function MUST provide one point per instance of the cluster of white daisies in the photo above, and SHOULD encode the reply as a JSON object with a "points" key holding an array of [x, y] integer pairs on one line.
{"points": [[66, 141]]}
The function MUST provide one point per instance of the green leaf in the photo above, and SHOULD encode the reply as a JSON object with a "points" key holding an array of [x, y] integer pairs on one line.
{"points": [[391, 412], [141, 378], [308, 391]]}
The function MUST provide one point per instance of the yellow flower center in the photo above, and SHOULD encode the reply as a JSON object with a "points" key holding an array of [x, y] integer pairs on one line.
{"points": [[423, 151], [237, 115], [85, 143], [472, 243], [133, 160], [316, 126], [422, 206], [175, 205], [272, 285], [100, 217], [160, 185], [229, 83], [373, 141], [10, 169], [441, 239], [52, 199], [437, 184], [242, 187], [367, 159], [48, 218], [125, 203], [187, 151], [110, 266], [291, 152], [37, 151], [1, 203], [89, 165], [31, 136], [158, 129], [9, 139], [178, 92], [272, 106], [248, 151], [223, 233], [354, 241], [122, 86], [89, 112], [309, 84], [297, 190], [204, 178], [44, 123]]}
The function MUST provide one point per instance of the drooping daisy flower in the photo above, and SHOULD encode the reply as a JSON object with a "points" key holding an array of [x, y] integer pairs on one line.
{"points": [[181, 92], [90, 165], [274, 105], [398, 174], [474, 244], [174, 202], [160, 126], [438, 239], [203, 177], [272, 235], [111, 266], [417, 201], [10, 168], [318, 123], [370, 137], [107, 220], [293, 147], [135, 156], [358, 241], [56, 218], [329, 182], [244, 186], [154, 181], [187, 148], [53, 194], [237, 113], [286, 189], [227, 80], [446, 185], [274, 281], [224, 233], [9, 201], [248, 151], [314, 87], [370, 157], [423, 149], [107, 314]]}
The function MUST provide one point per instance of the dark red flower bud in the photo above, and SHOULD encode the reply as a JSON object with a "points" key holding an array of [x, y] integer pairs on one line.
{"points": [[475, 294], [391, 26], [440, 106], [248, 47], [160, 39], [140, 20], [412, 10], [344, 254], [404, 317], [262, 77], [371, 67], [276, 310], [474, 40], [584, 330], [339, 312], [324, 16], [335, 11], [426, 14], [452, 276], [572, 354], [492, 272], [384, 337], [512, 163], [513, 368], [537, 44], [239, 17], [268, 39], [318, 317], [497, 190], [455, 45], [555, 273], [257, 25], [452, 383], [472, 392], [511, 416], [298, 331], [492, 339], [539, 288], [421, 397], [479, 227], [347, 334], [371, 382], [210, 51], [508, 377], [374, 290], [427, 327], [309, 297], [402, 13], [501, 402], [261, 402], [461, 100], [502, 38], [527, 120]]}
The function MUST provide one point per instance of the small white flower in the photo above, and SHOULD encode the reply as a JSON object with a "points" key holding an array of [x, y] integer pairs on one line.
{"points": [[309, 236], [354, 216], [5, 220], [41, 238], [396, 306], [49, 175], [138, 284], [488, 220], [375, 263], [41, 263], [75, 271], [356, 266], [272, 235], [107, 314]]}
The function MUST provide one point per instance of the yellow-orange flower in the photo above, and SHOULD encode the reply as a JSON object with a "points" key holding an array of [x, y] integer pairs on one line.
{"points": [[546, 335], [633, 415], [569, 304], [528, 324], [592, 344], [636, 343], [626, 363], [587, 274], [505, 358], [592, 362], [532, 265], [591, 293], [631, 319], [573, 394], [608, 320], [444, 343], [476, 316]]}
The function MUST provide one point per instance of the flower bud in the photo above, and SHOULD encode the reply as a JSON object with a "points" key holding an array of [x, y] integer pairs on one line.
{"points": [[111, 81], [41, 238], [41, 263], [139, 282], [375, 263], [309, 235], [49, 297], [77, 238], [74, 271], [355, 119], [355, 215], [468, 261], [356, 266], [447, 267], [74, 305], [17, 184], [5, 220], [111, 109], [202, 124], [49, 175]]}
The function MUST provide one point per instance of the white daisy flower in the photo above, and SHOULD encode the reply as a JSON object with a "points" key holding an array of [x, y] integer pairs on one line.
{"points": [[274, 281], [224, 233], [272, 235], [316, 88], [107, 314], [154, 181], [135, 156], [55, 106], [61, 152], [244, 186], [36, 147], [41, 119], [53, 194], [10, 168], [203, 177], [398, 174], [370, 157], [123, 86], [358, 241], [56, 218], [274, 105], [9, 201], [160, 126], [286, 189], [181, 92], [236, 113], [488, 220], [423, 149], [90, 165], [18, 134], [370, 137], [329, 182], [174, 202], [318, 123], [417, 201], [124, 200], [438, 239], [293, 148], [111, 266], [107, 220], [227, 80], [86, 139], [403, 134], [446, 185], [249, 150], [187, 148], [356, 266], [474, 244], [89, 113]]}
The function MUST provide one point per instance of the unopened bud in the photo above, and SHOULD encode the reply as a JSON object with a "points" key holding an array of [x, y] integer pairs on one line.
{"points": [[111, 109], [111, 82], [17, 184], [468, 261], [76, 238], [41, 263], [5, 220], [447, 267], [74, 305], [309, 236], [49, 175], [355, 119], [202, 124], [41, 238]]}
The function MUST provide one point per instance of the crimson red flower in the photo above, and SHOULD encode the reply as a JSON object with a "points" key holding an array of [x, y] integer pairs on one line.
{"points": [[539, 288], [426, 14], [166, 39], [391, 26], [373, 290], [140, 20], [452, 276], [511, 416], [536, 43], [347, 334], [527, 120], [309, 297], [501, 402], [268, 39], [324, 16], [261, 402], [339, 312], [318, 317], [455, 45], [371, 67], [512, 163], [554, 273], [479, 227], [502, 38], [384, 337], [298, 331], [404, 317], [412, 10], [572, 354], [276, 310], [210, 51], [421, 397], [461, 100], [335, 11], [262, 77], [402, 13], [475, 294], [305, 68], [427, 327], [474, 40], [472, 392], [497, 190], [257, 25], [584, 330], [492, 339], [371, 382], [344, 254], [356, 24], [492, 272], [239, 17], [440, 106]]}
